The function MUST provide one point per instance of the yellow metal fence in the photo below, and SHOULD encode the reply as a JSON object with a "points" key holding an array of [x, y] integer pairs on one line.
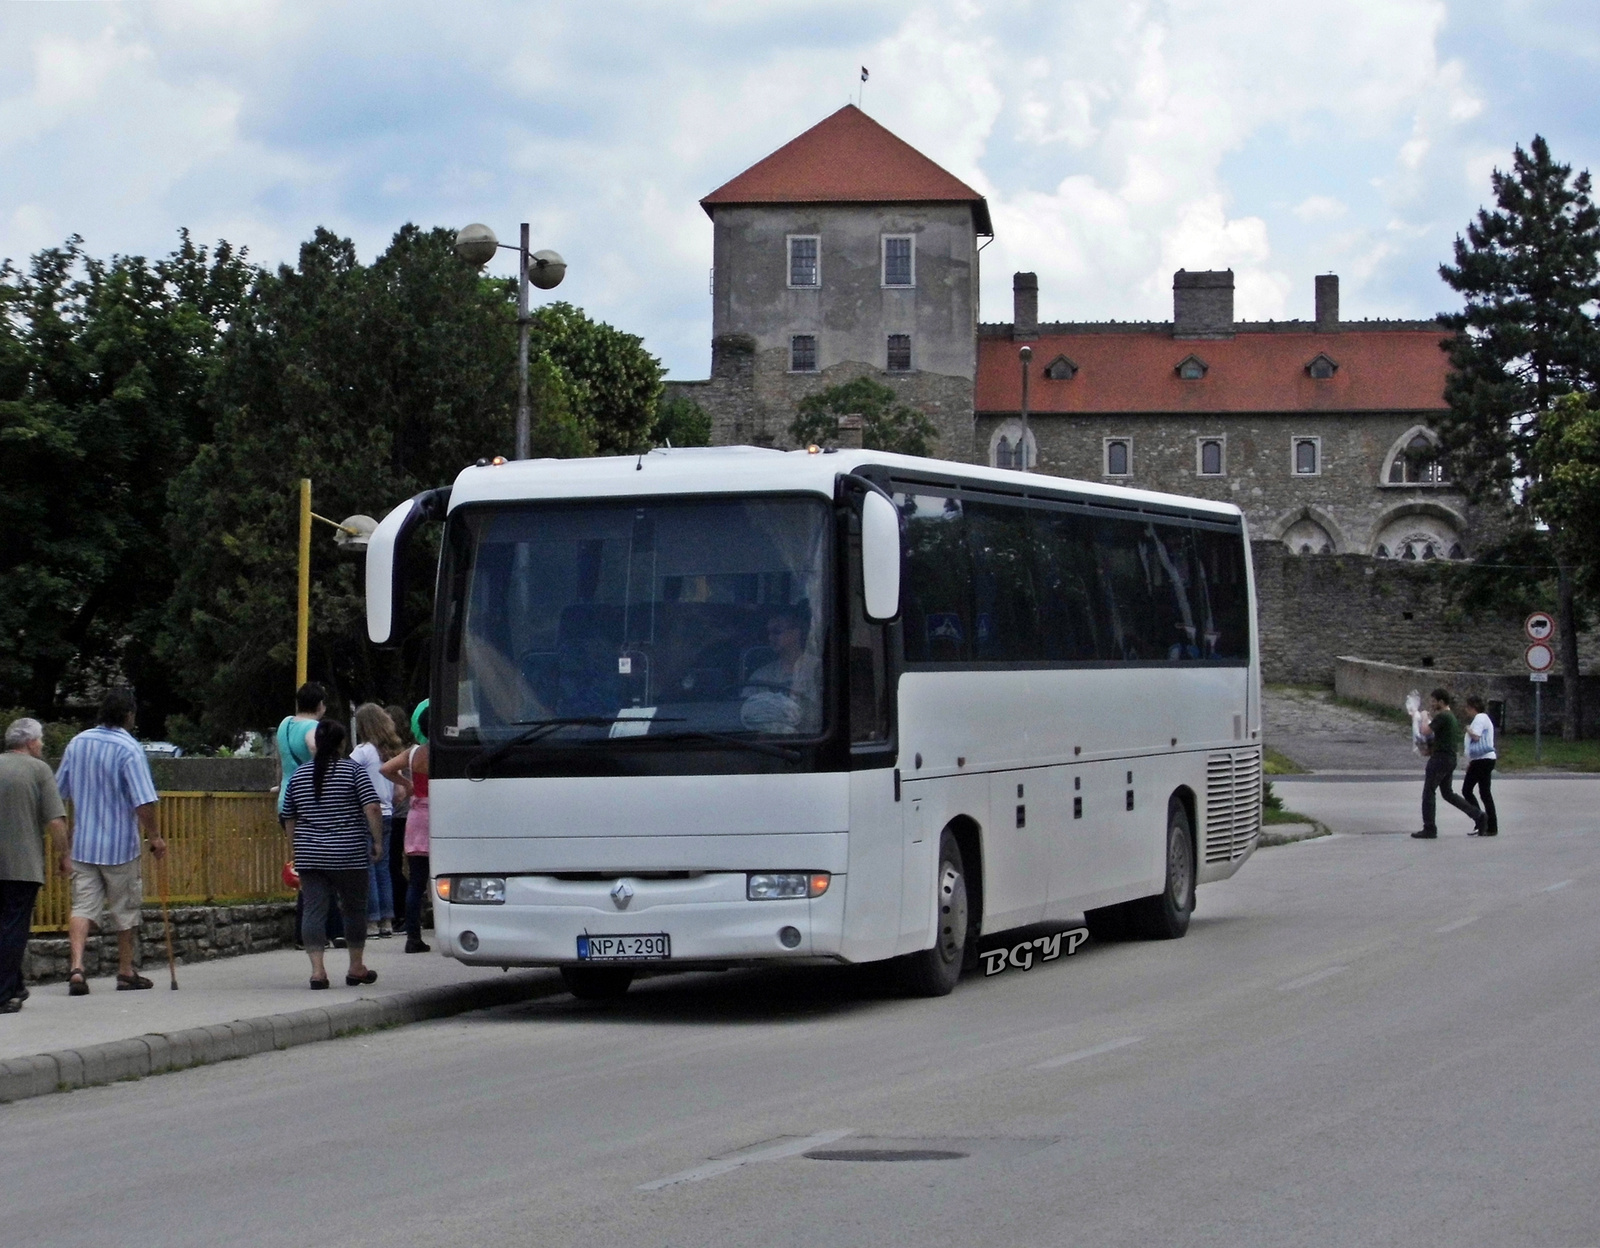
{"points": [[220, 846]]}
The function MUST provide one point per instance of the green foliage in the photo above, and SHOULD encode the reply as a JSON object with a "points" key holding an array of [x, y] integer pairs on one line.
{"points": [[56, 732], [680, 422], [887, 424], [1529, 275], [374, 381], [104, 373], [612, 382], [555, 430]]}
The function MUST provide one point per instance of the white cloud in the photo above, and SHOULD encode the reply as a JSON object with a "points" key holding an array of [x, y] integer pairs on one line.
{"points": [[1315, 209]]}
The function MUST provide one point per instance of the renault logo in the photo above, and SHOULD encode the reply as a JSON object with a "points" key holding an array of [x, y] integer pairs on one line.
{"points": [[622, 894]]}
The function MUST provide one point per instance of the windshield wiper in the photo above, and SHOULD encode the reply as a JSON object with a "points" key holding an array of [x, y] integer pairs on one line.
{"points": [[786, 752], [536, 728]]}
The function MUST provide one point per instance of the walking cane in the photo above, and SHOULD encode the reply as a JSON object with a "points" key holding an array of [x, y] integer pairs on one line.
{"points": [[166, 918]]}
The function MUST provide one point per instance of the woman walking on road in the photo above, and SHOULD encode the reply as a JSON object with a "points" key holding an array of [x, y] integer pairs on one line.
{"points": [[379, 744], [1480, 765], [411, 769], [335, 821]]}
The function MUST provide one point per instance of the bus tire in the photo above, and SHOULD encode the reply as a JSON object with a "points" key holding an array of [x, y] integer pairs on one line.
{"points": [[934, 972], [1166, 915], [596, 983]]}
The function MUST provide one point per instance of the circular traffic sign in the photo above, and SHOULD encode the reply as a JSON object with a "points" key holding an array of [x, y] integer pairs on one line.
{"points": [[1541, 658], [1539, 627]]}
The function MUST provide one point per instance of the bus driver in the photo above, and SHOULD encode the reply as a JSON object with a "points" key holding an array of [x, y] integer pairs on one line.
{"points": [[785, 695]]}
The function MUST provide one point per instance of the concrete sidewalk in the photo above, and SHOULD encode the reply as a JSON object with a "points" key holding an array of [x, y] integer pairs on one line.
{"points": [[231, 1007]]}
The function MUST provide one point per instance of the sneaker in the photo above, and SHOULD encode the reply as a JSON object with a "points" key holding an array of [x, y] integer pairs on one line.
{"points": [[385, 930], [13, 1006], [339, 942], [1424, 836], [414, 945]]}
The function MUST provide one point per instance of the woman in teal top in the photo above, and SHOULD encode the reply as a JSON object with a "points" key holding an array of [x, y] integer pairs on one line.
{"points": [[295, 744]]}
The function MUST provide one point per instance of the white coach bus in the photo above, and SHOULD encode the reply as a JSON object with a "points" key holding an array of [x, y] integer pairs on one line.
{"points": [[703, 708]]}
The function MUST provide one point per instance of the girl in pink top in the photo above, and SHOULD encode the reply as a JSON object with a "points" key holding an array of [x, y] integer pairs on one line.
{"points": [[411, 769]]}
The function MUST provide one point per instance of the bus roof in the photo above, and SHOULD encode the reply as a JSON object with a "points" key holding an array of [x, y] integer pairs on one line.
{"points": [[760, 470]]}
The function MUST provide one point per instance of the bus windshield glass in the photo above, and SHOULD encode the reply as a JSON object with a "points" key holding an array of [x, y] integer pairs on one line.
{"points": [[591, 622]]}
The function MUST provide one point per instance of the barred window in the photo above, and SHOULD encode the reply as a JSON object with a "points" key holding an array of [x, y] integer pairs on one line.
{"points": [[803, 353], [899, 353], [804, 269], [897, 270]]}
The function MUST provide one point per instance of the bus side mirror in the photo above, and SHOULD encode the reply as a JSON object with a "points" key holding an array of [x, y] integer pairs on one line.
{"points": [[386, 561], [383, 568], [880, 557]]}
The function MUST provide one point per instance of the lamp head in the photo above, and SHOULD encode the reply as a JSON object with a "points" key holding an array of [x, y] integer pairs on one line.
{"points": [[476, 244], [546, 269], [1026, 355]]}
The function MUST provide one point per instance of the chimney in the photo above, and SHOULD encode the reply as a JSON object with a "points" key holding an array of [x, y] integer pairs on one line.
{"points": [[851, 428], [1024, 307], [1202, 303], [1327, 303]]}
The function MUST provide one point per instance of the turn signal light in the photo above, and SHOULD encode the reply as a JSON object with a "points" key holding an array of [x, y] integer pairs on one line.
{"points": [[819, 883], [442, 887]]}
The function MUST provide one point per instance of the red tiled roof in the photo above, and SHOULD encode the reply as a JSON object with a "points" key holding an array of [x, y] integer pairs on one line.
{"points": [[847, 158], [1379, 370]]}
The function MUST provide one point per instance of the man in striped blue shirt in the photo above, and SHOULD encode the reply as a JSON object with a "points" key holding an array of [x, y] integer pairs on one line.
{"points": [[105, 775]]}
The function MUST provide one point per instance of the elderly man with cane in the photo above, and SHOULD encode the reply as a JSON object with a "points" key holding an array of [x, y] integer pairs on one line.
{"points": [[106, 777], [30, 807]]}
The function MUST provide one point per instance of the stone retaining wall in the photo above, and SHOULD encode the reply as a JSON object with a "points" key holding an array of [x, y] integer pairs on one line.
{"points": [[199, 933], [1387, 684]]}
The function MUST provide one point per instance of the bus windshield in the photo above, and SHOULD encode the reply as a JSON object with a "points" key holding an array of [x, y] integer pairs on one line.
{"points": [[591, 622]]}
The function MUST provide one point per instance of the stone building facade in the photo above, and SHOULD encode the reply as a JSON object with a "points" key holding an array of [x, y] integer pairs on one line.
{"points": [[1319, 430], [845, 253]]}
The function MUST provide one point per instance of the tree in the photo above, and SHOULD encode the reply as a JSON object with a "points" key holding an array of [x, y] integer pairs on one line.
{"points": [[104, 373], [1529, 274], [1567, 492], [887, 423], [680, 422], [612, 382]]}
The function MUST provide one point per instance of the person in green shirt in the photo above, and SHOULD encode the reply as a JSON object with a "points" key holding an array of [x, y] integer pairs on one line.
{"points": [[1443, 739]]}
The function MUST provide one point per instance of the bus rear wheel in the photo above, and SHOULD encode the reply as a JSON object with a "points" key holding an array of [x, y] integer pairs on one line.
{"points": [[1166, 915], [934, 972], [596, 983]]}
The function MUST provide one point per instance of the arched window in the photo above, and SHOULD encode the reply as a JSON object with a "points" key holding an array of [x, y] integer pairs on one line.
{"points": [[1210, 457], [1009, 447], [1119, 457], [1418, 462]]}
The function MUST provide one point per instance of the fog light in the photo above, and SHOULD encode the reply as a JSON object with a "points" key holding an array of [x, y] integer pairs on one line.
{"points": [[468, 941], [789, 937]]}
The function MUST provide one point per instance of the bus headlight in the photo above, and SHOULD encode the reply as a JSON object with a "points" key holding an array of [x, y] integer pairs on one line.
{"points": [[778, 885], [478, 890]]}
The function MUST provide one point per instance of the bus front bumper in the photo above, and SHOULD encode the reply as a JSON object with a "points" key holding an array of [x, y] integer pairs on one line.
{"points": [[707, 920]]}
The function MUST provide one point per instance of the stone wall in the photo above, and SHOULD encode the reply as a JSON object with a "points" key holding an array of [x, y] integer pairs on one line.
{"points": [[1315, 608], [1387, 684], [199, 934]]}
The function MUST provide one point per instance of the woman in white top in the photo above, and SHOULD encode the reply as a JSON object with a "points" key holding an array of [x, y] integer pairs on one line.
{"points": [[379, 743], [1480, 763]]}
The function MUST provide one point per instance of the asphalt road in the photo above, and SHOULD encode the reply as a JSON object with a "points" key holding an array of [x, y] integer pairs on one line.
{"points": [[1364, 1040]]}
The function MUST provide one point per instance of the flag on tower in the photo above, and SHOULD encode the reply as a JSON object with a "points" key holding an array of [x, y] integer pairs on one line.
{"points": [[863, 73]]}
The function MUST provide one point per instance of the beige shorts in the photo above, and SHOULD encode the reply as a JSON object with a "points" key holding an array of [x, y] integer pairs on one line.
{"points": [[117, 889]]}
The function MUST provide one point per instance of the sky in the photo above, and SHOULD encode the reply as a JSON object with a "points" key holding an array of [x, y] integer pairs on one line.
{"points": [[1116, 140]]}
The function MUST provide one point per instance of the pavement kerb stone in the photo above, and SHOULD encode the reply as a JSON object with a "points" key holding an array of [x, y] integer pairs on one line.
{"points": [[43, 1073], [1289, 833]]}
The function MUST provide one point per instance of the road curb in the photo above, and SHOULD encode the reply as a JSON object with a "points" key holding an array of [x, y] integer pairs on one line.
{"points": [[1289, 833], [157, 1053]]}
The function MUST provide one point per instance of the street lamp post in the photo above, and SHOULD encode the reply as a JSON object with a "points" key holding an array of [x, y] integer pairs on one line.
{"points": [[477, 244], [1026, 356]]}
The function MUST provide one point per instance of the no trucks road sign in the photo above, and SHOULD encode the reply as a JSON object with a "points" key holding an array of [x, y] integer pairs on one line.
{"points": [[1539, 627]]}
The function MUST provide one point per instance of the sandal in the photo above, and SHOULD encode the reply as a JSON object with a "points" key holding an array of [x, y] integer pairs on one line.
{"points": [[355, 981], [129, 983], [77, 985], [319, 983]]}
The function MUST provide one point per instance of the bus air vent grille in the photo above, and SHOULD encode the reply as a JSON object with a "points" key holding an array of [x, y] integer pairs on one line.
{"points": [[1233, 804]]}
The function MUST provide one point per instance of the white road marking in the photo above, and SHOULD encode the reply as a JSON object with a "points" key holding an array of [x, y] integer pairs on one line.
{"points": [[1559, 884], [1083, 1053], [1456, 926], [1305, 981], [789, 1148]]}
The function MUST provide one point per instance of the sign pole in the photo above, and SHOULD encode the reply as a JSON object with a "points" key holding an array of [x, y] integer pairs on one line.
{"points": [[1538, 722]]}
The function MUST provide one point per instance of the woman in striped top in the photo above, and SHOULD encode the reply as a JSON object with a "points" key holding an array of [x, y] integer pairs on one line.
{"points": [[335, 820]]}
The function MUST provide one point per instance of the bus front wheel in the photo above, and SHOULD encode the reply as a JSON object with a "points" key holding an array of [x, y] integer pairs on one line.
{"points": [[934, 972], [1166, 915], [596, 983]]}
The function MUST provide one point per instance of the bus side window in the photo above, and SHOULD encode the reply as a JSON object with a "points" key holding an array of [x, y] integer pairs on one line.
{"points": [[869, 677]]}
